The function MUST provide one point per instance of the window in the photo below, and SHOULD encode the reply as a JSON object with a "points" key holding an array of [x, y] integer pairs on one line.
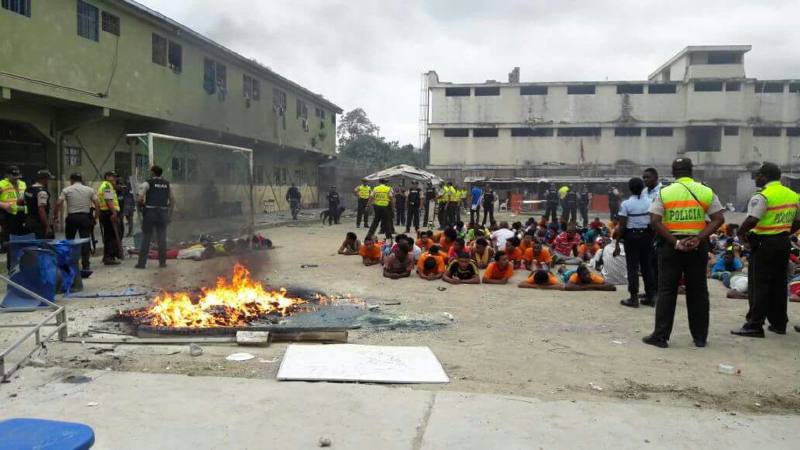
{"points": [[484, 132], [191, 169], [733, 86], [708, 86], [580, 89], [703, 139], [766, 131], [730, 131], [793, 132], [302, 109], [175, 57], [88, 16], [22, 7], [72, 156], [663, 88], [209, 76], [531, 132], [279, 100], [487, 91], [794, 88], [251, 88], [659, 131], [630, 89], [578, 132], [457, 92], [769, 87], [724, 58], [456, 132], [110, 23], [159, 50], [319, 112], [627, 131], [533, 90], [178, 169], [142, 163], [222, 77]]}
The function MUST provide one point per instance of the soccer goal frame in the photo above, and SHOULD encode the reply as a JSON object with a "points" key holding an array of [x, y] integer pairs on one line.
{"points": [[148, 140]]}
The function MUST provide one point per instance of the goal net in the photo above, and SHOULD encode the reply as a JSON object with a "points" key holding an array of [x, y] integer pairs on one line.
{"points": [[211, 183]]}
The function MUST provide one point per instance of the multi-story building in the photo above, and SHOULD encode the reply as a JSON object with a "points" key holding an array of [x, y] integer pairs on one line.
{"points": [[77, 76], [699, 104]]}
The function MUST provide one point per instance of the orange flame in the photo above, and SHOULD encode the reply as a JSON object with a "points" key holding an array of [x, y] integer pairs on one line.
{"points": [[228, 304]]}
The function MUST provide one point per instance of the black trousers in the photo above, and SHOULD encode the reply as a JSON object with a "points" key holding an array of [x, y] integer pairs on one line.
{"points": [[154, 220], [9, 224], [412, 218], [767, 280], [441, 212], [35, 226], [362, 211], [452, 213], [110, 228], [427, 212], [383, 217], [613, 209], [333, 213], [294, 207], [638, 250], [488, 211], [673, 264], [475, 214], [584, 210], [551, 212], [400, 216], [81, 224], [570, 212]]}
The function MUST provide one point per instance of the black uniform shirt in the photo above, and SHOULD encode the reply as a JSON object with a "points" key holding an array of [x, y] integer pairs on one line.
{"points": [[333, 198], [414, 195]]}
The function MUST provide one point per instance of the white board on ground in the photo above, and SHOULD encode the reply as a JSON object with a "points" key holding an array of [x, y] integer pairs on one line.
{"points": [[361, 363]]}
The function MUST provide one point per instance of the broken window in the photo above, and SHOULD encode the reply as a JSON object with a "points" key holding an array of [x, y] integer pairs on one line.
{"points": [[724, 58], [794, 88], [209, 73], [22, 7], [487, 91], [731, 131], [279, 101], [659, 131], [159, 50], [662, 88], [456, 132], [533, 90], [110, 23], [769, 87], [531, 132], [630, 89], [457, 92], [703, 139], [733, 86], [484, 132], [88, 18], [708, 86], [247, 86], [793, 132], [766, 131], [222, 77], [72, 156], [580, 89], [627, 131], [579, 132], [175, 57]]}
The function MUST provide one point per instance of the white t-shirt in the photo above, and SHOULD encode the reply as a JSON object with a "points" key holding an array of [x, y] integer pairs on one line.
{"points": [[614, 269], [500, 237]]}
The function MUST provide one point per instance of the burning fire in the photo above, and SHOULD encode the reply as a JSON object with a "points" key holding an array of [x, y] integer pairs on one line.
{"points": [[229, 304]]}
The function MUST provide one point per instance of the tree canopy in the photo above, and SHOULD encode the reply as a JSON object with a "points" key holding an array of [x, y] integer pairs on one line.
{"points": [[359, 141]]}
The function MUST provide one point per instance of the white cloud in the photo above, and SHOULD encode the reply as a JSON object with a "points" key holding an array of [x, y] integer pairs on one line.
{"points": [[370, 54]]}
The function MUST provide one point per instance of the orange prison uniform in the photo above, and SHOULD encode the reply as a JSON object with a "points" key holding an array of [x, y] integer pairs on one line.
{"points": [[439, 264], [493, 272], [595, 279], [373, 252], [552, 280]]}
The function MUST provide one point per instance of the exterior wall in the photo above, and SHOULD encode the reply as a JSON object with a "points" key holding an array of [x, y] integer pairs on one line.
{"points": [[44, 55]]}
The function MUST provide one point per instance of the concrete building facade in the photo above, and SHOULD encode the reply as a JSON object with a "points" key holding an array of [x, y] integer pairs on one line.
{"points": [[699, 104], [76, 76]]}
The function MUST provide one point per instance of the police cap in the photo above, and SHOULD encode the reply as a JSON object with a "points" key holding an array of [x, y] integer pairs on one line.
{"points": [[12, 170], [682, 164], [770, 171], [111, 173]]}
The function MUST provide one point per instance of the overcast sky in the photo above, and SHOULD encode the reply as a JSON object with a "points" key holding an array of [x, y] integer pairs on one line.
{"points": [[370, 53]]}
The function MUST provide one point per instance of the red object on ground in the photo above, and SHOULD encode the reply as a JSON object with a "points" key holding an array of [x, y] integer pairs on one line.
{"points": [[172, 253]]}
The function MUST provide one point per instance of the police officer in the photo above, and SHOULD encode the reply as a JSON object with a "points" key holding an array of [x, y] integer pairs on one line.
{"points": [[413, 201], [678, 216], [430, 196], [155, 196], [81, 199], [293, 197], [362, 193], [570, 206], [441, 206], [551, 203], [12, 206], [488, 205], [584, 198], [333, 206], [451, 194], [37, 202], [400, 207], [771, 218], [381, 200], [109, 218]]}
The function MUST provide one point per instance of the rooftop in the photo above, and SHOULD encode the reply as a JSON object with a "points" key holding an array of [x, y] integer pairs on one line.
{"points": [[702, 48]]}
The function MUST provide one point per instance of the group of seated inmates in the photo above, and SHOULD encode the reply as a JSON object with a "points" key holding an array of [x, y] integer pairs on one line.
{"points": [[554, 256]]}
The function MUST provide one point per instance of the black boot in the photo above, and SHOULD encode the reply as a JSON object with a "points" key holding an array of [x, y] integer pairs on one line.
{"points": [[746, 331], [632, 302], [655, 341]]}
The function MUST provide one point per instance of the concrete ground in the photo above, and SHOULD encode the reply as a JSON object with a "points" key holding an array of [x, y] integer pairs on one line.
{"points": [[517, 360]]}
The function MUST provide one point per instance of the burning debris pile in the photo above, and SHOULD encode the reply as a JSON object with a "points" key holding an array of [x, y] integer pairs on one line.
{"points": [[232, 303]]}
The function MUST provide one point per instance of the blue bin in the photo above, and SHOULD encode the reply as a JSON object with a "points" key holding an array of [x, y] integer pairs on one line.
{"points": [[26, 434]]}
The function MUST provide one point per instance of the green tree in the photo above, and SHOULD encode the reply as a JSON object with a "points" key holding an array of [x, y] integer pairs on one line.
{"points": [[353, 125], [359, 142]]}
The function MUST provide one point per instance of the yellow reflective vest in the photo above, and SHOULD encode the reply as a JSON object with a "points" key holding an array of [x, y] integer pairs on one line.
{"points": [[380, 195], [781, 209], [11, 194], [105, 186], [363, 191], [683, 214]]}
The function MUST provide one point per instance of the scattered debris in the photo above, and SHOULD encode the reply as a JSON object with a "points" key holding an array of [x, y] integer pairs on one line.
{"points": [[372, 307], [324, 442], [92, 404], [77, 379], [268, 361], [618, 341], [728, 369], [441, 288], [239, 357], [697, 404], [391, 303], [595, 387], [252, 338], [449, 316], [308, 266], [195, 350]]}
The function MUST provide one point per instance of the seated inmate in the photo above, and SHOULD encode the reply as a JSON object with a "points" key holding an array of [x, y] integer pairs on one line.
{"points": [[351, 245]]}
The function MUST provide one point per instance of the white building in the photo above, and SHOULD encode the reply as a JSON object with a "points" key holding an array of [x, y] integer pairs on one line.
{"points": [[698, 104]]}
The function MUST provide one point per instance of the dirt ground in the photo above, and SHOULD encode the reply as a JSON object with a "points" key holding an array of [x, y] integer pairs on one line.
{"points": [[503, 340]]}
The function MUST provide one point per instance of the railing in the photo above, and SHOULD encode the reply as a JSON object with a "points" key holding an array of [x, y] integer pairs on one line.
{"points": [[57, 312]]}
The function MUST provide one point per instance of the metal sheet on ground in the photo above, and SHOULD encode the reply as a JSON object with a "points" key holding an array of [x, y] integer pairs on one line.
{"points": [[361, 363]]}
